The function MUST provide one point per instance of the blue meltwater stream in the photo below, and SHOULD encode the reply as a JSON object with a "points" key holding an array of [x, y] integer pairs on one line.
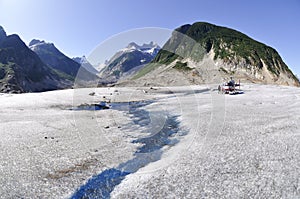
{"points": [[101, 185]]}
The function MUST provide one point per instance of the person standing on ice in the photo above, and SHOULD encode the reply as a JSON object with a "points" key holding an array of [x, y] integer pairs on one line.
{"points": [[231, 82]]}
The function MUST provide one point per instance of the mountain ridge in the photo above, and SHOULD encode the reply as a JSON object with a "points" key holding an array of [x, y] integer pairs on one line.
{"points": [[230, 52], [127, 60], [64, 65], [21, 70], [86, 64], [196, 53]]}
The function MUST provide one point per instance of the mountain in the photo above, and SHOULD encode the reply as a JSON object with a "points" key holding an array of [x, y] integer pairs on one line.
{"points": [[86, 64], [128, 60], [62, 64], [2, 34], [21, 70], [101, 66], [203, 53]]}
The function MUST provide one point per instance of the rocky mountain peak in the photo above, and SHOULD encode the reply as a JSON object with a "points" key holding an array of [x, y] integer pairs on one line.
{"points": [[129, 60], [83, 61], [39, 46], [2, 33], [145, 46], [22, 70], [36, 41], [133, 45], [150, 45]]}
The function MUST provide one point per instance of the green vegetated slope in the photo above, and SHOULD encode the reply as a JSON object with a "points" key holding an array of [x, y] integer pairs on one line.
{"points": [[230, 46]]}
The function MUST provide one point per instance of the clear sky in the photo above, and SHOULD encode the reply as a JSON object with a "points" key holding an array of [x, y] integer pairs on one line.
{"points": [[77, 27]]}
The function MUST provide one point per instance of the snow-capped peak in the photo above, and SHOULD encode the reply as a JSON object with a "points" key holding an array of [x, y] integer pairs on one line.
{"points": [[81, 60], [133, 45], [35, 42], [150, 45], [151, 48]]}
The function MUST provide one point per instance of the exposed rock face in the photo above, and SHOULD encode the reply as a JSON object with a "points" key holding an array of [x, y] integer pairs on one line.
{"points": [[21, 70], [51, 56], [86, 64], [129, 60], [2, 33], [208, 53], [64, 65]]}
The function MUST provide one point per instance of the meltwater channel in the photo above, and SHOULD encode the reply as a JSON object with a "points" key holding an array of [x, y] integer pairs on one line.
{"points": [[101, 185]]}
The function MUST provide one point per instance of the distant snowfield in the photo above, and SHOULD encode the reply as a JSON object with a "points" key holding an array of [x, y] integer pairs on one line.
{"points": [[242, 146]]}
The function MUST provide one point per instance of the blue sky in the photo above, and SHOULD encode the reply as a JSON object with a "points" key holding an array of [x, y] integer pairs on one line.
{"points": [[77, 27]]}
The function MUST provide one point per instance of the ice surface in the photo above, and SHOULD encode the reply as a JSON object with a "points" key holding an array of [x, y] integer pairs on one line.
{"points": [[101, 185], [235, 146]]}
